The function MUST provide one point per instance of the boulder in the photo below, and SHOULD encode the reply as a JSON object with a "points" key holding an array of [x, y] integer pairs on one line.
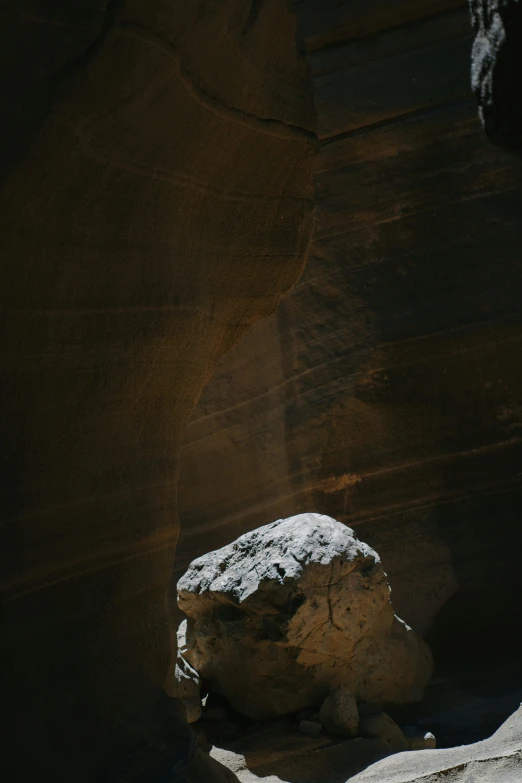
{"points": [[338, 714], [287, 613], [381, 726]]}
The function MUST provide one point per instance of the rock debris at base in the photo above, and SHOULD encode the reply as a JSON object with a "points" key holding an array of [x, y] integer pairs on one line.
{"points": [[278, 757]]}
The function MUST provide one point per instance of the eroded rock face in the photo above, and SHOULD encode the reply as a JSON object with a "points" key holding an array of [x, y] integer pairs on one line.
{"points": [[293, 610], [496, 65], [157, 199], [386, 388]]}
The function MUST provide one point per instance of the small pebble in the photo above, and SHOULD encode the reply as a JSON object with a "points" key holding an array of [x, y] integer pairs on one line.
{"points": [[427, 742]]}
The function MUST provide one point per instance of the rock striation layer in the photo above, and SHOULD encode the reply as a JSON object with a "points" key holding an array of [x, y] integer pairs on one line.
{"points": [[156, 200], [293, 610], [385, 391]]}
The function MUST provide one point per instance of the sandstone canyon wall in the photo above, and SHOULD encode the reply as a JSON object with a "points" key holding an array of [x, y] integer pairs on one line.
{"points": [[385, 391], [157, 194], [157, 165]]}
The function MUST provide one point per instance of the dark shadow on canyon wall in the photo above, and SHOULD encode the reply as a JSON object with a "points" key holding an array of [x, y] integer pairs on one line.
{"points": [[157, 197], [459, 641]]}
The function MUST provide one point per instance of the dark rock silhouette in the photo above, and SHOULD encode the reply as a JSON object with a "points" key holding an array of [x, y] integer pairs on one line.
{"points": [[496, 65]]}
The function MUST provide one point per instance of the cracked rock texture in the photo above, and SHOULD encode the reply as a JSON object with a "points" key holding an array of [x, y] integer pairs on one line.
{"points": [[385, 391], [293, 610], [156, 200], [496, 65]]}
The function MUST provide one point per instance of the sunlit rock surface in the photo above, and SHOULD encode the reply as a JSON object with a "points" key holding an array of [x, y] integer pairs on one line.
{"points": [[494, 760], [292, 610]]}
